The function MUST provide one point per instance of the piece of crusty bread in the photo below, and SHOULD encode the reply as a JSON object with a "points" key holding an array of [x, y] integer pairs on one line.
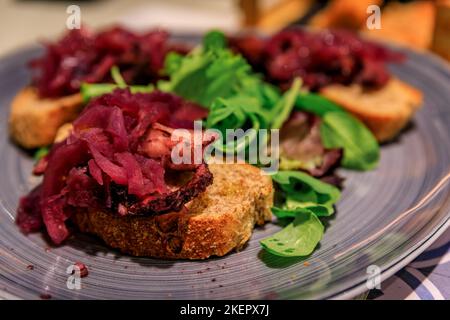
{"points": [[33, 122], [348, 14], [441, 38], [396, 20], [216, 222], [385, 111]]}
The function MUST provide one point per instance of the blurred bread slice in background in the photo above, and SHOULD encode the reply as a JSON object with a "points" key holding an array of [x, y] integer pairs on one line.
{"points": [[34, 122], [348, 14], [385, 111], [441, 40], [272, 15], [410, 24]]}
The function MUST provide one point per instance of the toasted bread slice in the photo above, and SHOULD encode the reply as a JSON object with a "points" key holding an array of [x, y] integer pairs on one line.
{"points": [[396, 20], [385, 111], [33, 122], [348, 14], [216, 222], [441, 38]]}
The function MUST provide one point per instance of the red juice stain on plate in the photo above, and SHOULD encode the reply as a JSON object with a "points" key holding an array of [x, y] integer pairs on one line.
{"points": [[83, 269], [45, 296]]}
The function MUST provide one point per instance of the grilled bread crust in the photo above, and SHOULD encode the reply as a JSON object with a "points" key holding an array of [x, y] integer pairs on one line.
{"points": [[213, 224]]}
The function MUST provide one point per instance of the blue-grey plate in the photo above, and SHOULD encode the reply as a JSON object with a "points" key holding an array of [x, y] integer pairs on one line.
{"points": [[385, 219]]}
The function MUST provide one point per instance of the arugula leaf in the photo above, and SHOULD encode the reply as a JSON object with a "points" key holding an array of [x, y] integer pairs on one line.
{"points": [[233, 113], [172, 62], [214, 40], [299, 238], [214, 72], [203, 75], [244, 110], [283, 108], [341, 130], [238, 98], [253, 86]]}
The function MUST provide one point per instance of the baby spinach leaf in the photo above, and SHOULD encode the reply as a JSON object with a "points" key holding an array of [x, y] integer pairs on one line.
{"points": [[301, 192], [303, 198], [298, 239], [300, 183], [314, 103], [341, 130]]}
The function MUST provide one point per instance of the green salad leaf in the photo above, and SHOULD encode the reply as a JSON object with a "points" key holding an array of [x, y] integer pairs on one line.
{"points": [[223, 81], [304, 199], [233, 113], [205, 74], [117, 77], [297, 239], [92, 90], [213, 71], [41, 153], [301, 192], [284, 106], [236, 112], [267, 94], [172, 62], [314, 103], [339, 129], [215, 77], [214, 40]]}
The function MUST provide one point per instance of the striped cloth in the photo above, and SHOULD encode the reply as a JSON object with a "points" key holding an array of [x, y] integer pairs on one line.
{"points": [[426, 278]]}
